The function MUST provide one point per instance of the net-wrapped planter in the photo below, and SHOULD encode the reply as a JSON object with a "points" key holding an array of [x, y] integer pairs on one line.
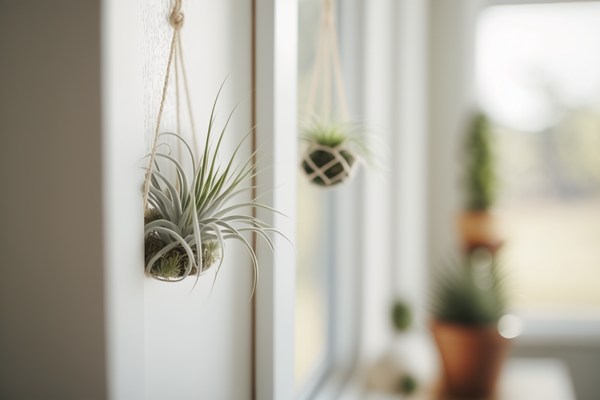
{"points": [[336, 143], [329, 166]]}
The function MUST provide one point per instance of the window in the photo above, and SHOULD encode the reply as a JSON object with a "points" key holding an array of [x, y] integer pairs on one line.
{"points": [[538, 70], [312, 320]]}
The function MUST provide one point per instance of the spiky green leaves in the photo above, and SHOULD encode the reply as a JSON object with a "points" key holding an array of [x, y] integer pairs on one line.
{"points": [[199, 208], [330, 133], [469, 295]]}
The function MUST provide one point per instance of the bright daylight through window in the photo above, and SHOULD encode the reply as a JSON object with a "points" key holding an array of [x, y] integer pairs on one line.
{"points": [[538, 70], [312, 289]]}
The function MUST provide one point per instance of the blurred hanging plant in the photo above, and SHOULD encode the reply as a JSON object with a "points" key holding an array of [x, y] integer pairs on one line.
{"points": [[334, 150], [193, 212], [334, 147]]}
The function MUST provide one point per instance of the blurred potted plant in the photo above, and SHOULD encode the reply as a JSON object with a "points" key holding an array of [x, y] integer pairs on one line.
{"points": [[478, 226], [467, 303]]}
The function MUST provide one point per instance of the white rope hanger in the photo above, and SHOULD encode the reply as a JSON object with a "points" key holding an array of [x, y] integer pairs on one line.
{"points": [[328, 65], [176, 20], [328, 55]]}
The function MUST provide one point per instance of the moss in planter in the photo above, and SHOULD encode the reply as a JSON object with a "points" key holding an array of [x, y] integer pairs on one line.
{"points": [[174, 262], [322, 157], [152, 245], [151, 215], [170, 266]]}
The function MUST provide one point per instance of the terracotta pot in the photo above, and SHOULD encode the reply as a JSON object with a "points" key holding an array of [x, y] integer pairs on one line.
{"points": [[479, 229], [472, 358]]}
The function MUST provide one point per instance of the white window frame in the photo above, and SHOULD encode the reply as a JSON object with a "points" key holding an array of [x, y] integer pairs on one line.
{"points": [[276, 54]]}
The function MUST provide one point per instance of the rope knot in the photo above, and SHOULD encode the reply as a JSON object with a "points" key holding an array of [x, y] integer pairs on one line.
{"points": [[177, 18]]}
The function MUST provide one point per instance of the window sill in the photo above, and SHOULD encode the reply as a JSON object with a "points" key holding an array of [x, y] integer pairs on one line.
{"points": [[557, 329], [521, 379], [417, 353]]}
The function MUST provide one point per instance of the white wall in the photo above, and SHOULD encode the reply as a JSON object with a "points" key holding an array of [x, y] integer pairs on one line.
{"points": [[79, 100], [52, 341]]}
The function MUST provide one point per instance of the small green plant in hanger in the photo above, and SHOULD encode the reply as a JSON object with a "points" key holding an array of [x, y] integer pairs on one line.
{"points": [[334, 147], [188, 220]]}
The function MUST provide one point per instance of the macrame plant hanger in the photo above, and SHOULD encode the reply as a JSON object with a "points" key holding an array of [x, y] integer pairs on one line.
{"points": [[327, 63], [176, 19], [328, 54], [199, 207], [179, 59]]}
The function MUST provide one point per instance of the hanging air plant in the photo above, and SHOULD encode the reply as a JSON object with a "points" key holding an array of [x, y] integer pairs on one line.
{"points": [[335, 146], [334, 151], [191, 218], [188, 220]]}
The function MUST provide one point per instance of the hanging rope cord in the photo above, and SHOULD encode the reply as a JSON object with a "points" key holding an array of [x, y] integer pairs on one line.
{"points": [[176, 19], [328, 63], [187, 96], [328, 54]]}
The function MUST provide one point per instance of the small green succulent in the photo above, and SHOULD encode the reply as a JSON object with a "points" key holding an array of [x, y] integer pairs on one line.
{"points": [[198, 211]]}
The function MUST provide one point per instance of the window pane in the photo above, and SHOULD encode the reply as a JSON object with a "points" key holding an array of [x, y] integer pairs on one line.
{"points": [[539, 79], [312, 319], [311, 288]]}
